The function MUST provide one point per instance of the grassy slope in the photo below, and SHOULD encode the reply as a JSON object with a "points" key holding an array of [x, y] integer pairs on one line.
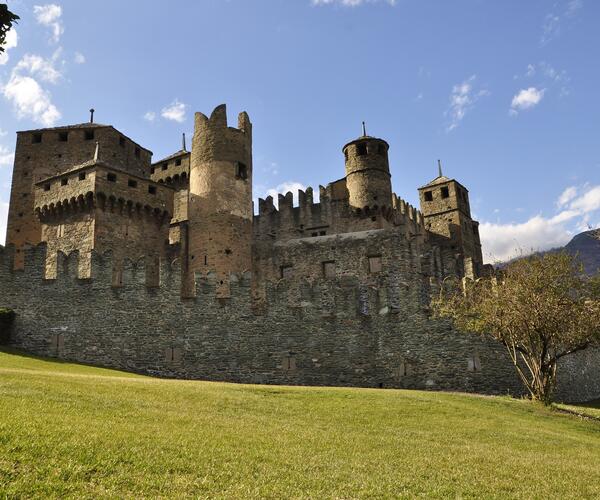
{"points": [[68, 430]]}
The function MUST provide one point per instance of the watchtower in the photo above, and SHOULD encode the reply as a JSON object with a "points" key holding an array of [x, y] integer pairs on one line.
{"points": [[219, 239], [368, 173], [447, 214]]}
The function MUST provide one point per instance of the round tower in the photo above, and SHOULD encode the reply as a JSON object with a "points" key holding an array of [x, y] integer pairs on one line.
{"points": [[220, 198], [368, 173]]}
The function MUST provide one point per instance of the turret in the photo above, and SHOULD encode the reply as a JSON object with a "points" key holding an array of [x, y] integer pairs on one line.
{"points": [[368, 173], [220, 197]]}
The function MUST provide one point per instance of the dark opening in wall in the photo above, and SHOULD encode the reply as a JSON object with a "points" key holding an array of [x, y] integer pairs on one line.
{"points": [[46, 187], [164, 166], [241, 171], [82, 176], [428, 196], [137, 152], [131, 183], [64, 182], [63, 136], [322, 233], [286, 271], [36, 138], [88, 135], [111, 177], [122, 141], [227, 251], [178, 162], [361, 149], [152, 189], [445, 192], [152, 170]]}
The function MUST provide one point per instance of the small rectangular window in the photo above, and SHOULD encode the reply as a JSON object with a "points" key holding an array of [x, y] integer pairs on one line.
{"points": [[375, 265], [88, 135], [111, 177], [137, 152], [474, 364], [428, 195], [82, 176], [46, 187], [329, 269], [241, 171], [322, 233], [122, 141], [152, 170], [178, 162], [152, 189], [286, 271], [131, 183], [445, 192], [63, 136], [36, 138], [361, 149], [64, 182], [165, 166]]}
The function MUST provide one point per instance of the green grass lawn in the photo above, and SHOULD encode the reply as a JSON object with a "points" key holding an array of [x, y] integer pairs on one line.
{"points": [[75, 431]]}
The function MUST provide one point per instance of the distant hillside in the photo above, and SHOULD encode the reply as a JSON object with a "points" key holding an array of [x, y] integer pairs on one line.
{"points": [[586, 246]]}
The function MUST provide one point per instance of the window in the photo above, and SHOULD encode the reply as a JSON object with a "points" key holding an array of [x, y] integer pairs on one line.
{"points": [[445, 192], [82, 176], [178, 162], [111, 177], [122, 141], [36, 138], [63, 136], [61, 230], [474, 364], [152, 170], [165, 166], [375, 265], [131, 183], [322, 233], [329, 269], [64, 182], [46, 187], [152, 189], [286, 271], [361, 149], [137, 152], [241, 171], [88, 135], [428, 195]]}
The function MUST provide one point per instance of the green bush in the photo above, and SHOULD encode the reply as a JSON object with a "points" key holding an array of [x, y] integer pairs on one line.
{"points": [[7, 317]]}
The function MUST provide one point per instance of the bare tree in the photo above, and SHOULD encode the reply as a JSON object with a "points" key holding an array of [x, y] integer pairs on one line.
{"points": [[541, 308], [7, 19]]}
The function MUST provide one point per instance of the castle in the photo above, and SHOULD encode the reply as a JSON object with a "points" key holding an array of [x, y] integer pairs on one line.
{"points": [[164, 267]]}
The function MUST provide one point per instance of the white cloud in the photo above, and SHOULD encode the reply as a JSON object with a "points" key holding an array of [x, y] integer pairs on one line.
{"points": [[7, 157], [526, 99], [284, 188], [566, 196], [30, 100], [10, 42], [38, 66], [462, 99], [50, 15], [3, 220], [150, 116], [351, 3], [505, 241], [79, 58], [175, 111], [3, 132]]}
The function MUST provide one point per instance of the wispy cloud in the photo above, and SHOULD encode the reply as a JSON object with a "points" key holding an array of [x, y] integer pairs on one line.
{"points": [[50, 15], [578, 207], [79, 58], [36, 65], [175, 111], [10, 42], [462, 98], [526, 99], [553, 21], [149, 116], [351, 3], [7, 157]]}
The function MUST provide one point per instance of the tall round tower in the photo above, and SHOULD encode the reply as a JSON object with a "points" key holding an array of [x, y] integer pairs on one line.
{"points": [[220, 198], [368, 173]]}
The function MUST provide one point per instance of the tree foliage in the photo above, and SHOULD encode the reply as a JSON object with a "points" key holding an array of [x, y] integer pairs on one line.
{"points": [[541, 308], [7, 19]]}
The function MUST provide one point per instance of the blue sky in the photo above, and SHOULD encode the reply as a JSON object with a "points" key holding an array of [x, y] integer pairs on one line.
{"points": [[505, 93]]}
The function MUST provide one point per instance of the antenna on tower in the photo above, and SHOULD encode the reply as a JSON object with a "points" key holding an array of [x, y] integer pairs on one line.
{"points": [[364, 129], [439, 168], [92, 115], [183, 143]]}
